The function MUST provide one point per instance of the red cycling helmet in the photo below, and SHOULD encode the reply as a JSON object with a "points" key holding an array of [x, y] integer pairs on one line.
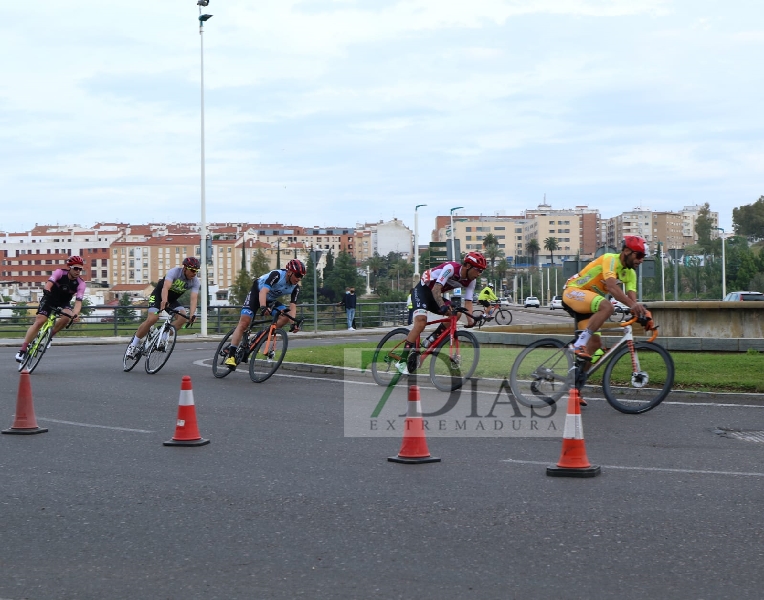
{"points": [[634, 243], [296, 266], [475, 259], [192, 262], [75, 260]]}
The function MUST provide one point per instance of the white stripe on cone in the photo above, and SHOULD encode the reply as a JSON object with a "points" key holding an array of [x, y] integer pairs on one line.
{"points": [[186, 398], [574, 427]]}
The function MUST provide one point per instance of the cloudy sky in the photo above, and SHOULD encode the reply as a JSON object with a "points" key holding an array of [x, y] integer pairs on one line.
{"points": [[333, 112]]}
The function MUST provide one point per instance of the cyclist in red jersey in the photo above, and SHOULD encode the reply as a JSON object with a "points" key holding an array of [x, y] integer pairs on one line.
{"points": [[427, 295]]}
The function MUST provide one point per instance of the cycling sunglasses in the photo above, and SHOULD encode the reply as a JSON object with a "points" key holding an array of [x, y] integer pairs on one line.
{"points": [[639, 255]]}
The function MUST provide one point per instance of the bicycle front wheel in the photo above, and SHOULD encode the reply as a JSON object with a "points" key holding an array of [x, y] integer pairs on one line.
{"points": [[160, 351], [127, 362], [37, 349], [503, 317], [454, 361], [220, 370], [388, 360], [636, 383], [266, 359], [542, 373]]}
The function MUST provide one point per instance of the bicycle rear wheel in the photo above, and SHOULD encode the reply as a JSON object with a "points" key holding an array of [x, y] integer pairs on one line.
{"points": [[127, 362], [454, 361], [542, 373], [160, 350], [503, 317], [219, 369], [37, 348], [387, 360], [634, 391], [262, 366]]}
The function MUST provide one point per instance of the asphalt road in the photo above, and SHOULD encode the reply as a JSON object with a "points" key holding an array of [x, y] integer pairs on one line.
{"points": [[282, 504]]}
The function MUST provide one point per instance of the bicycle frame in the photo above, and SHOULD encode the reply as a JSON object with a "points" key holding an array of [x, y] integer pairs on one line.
{"points": [[626, 339], [452, 321]]}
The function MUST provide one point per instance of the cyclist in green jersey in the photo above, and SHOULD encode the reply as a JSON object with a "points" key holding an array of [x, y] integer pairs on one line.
{"points": [[584, 293]]}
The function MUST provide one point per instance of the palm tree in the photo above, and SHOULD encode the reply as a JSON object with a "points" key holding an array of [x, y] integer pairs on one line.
{"points": [[551, 244], [491, 250], [533, 248]]}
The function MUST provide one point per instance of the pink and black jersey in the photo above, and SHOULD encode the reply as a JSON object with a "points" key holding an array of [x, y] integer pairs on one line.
{"points": [[64, 288], [447, 275]]}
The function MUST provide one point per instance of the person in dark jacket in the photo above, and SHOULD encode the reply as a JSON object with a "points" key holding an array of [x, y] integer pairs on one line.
{"points": [[349, 302]]}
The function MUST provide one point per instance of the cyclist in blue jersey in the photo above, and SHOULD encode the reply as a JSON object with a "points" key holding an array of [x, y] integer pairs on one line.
{"points": [[266, 290]]}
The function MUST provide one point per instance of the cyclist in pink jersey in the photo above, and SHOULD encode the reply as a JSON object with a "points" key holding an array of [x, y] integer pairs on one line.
{"points": [[57, 293], [427, 295]]}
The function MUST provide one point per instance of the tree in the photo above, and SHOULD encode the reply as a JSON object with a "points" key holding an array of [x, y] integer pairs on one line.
{"points": [[125, 314], [749, 220], [260, 265], [240, 288], [551, 244], [533, 248], [492, 251], [375, 264], [343, 275], [703, 227]]}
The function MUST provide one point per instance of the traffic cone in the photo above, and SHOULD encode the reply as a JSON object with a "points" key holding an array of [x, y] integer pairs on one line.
{"points": [[414, 448], [573, 460], [186, 429], [25, 422]]}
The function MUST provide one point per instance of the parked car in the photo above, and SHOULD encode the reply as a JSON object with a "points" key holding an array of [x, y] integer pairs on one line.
{"points": [[555, 303], [505, 301], [532, 301], [743, 296]]}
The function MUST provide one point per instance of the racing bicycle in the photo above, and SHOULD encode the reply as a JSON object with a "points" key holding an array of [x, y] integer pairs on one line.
{"points": [[156, 346], [264, 350], [41, 341], [501, 315], [637, 375], [455, 355]]}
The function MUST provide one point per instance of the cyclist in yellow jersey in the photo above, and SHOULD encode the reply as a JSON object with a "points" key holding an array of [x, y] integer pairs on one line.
{"points": [[486, 297], [584, 293]]}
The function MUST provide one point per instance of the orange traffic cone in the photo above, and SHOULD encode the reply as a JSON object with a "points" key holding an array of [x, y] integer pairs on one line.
{"points": [[186, 429], [25, 422], [414, 448], [573, 460]]}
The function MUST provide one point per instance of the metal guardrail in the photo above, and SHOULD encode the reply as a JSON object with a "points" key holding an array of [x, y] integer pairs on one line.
{"points": [[106, 321]]}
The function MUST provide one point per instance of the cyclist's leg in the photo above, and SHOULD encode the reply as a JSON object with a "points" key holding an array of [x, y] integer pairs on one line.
{"points": [[178, 320], [42, 315], [589, 312], [63, 320]]}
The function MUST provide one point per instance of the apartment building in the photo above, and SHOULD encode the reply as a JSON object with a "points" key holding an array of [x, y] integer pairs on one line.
{"points": [[382, 238]]}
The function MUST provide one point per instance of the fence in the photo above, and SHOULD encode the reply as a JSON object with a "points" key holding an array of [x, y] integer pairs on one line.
{"points": [[125, 319]]}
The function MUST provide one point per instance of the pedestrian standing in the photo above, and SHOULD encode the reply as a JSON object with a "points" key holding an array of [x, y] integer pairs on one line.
{"points": [[349, 302]]}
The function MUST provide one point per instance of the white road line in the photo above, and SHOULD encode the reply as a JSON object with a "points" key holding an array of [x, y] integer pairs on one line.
{"points": [[659, 469], [91, 425]]}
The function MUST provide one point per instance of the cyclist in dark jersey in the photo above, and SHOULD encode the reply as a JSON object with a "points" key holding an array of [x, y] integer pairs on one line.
{"points": [[165, 295], [265, 292], [57, 293]]}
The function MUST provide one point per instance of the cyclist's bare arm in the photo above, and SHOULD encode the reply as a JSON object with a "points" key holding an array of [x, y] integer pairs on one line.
{"points": [[437, 294], [628, 298]]}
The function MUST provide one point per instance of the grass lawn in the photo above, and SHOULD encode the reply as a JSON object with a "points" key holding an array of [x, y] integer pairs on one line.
{"points": [[698, 371]]}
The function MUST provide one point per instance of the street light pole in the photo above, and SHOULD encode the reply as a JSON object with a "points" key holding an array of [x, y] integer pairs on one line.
{"points": [[203, 224], [724, 267], [453, 239], [416, 239]]}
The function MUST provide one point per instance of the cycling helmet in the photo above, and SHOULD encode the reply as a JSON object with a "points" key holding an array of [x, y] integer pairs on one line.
{"points": [[192, 262], [296, 266], [635, 243], [475, 259], [490, 285], [75, 260]]}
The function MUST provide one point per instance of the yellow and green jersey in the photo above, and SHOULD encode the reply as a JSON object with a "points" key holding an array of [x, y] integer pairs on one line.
{"points": [[592, 276]]}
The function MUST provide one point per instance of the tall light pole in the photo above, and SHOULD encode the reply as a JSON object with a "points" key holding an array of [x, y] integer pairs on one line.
{"points": [[416, 238], [724, 267], [203, 225], [453, 242]]}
